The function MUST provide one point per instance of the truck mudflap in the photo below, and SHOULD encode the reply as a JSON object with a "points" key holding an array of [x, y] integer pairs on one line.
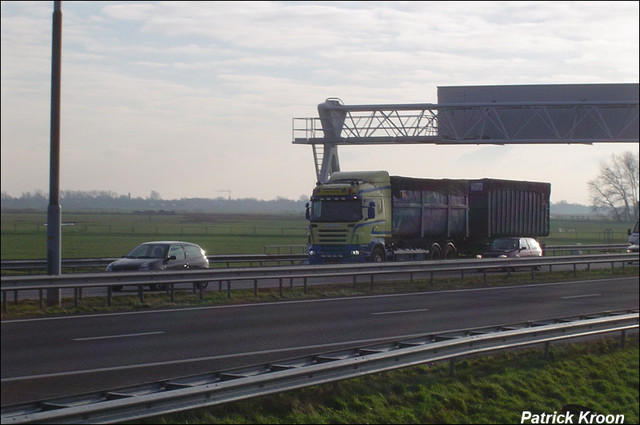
{"points": [[321, 254]]}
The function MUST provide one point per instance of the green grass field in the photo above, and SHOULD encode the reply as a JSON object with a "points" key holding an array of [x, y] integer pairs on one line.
{"points": [[114, 234]]}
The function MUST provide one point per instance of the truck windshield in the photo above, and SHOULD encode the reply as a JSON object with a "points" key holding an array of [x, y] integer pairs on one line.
{"points": [[343, 210]]}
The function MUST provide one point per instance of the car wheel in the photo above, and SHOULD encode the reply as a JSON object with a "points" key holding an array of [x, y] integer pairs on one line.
{"points": [[201, 285]]}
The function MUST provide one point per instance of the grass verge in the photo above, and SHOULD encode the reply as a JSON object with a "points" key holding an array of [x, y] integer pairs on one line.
{"points": [[598, 376]]}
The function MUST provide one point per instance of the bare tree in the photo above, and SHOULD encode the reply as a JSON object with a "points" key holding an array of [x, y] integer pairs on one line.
{"points": [[616, 186]]}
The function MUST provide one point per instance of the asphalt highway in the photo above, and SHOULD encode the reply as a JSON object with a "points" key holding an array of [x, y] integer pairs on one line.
{"points": [[57, 356]]}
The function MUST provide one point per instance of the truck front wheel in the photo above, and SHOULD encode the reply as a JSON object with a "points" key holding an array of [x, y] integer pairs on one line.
{"points": [[377, 256]]}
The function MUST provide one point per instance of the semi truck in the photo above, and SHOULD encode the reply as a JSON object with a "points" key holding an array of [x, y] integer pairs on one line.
{"points": [[360, 216]]}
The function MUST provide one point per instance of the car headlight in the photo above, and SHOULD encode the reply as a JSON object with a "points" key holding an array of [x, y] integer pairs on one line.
{"points": [[355, 252], [503, 256]]}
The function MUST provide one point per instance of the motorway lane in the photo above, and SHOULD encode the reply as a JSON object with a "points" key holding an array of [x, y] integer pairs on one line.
{"points": [[52, 357]]}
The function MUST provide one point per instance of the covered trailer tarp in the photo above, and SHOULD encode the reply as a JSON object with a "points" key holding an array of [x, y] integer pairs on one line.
{"points": [[472, 211], [429, 208], [508, 208]]}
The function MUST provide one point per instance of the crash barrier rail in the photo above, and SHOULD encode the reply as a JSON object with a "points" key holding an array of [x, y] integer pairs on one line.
{"points": [[301, 274], [84, 263], [261, 259], [579, 249], [214, 388]]}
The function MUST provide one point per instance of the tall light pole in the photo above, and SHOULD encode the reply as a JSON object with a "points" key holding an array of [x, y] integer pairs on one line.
{"points": [[54, 220]]}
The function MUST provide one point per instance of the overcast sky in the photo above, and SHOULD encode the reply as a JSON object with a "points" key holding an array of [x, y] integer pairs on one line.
{"points": [[191, 98]]}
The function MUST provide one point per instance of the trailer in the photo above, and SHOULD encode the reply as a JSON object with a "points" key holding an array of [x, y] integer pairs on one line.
{"points": [[372, 216]]}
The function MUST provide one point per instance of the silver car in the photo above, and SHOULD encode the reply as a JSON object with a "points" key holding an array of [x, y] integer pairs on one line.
{"points": [[162, 256], [513, 248]]}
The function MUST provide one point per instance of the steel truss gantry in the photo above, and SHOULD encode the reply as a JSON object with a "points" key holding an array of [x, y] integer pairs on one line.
{"points": [[463, 123]]}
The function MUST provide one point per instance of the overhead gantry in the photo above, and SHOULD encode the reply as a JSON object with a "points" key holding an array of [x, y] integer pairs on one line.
{"points": [[535, 122]]}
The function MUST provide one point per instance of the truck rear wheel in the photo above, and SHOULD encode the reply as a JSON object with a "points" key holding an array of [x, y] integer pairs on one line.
{"points": [[435, 253]]}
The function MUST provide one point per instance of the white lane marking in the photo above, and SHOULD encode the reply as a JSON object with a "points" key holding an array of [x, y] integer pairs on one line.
{"points": [[209, 358], [93, 338], [580, 296], [400, 312]]}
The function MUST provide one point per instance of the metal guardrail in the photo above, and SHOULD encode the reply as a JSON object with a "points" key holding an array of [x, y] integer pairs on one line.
{"points": [[579, 249], [215, 388], [255, 275], [261, 259], [77, 263]]}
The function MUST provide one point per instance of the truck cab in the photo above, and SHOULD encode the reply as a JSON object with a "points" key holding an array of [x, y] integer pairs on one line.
{"points": [[349, 217]]}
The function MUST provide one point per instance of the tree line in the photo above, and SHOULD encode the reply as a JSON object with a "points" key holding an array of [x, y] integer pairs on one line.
{"points": [[615, 188], [614, 193], [109, 201]]}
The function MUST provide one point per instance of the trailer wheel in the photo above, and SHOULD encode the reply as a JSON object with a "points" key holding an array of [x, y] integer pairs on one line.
{"points": [[435, 252], [450, 252], [377, 256]]}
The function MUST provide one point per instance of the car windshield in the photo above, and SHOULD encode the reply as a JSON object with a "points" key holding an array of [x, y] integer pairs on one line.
{"points": [[149, 251], [504, 244], [342, 210]]}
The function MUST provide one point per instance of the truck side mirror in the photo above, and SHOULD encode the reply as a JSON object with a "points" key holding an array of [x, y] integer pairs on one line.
{"points": [[307, 214], [371, 211]]}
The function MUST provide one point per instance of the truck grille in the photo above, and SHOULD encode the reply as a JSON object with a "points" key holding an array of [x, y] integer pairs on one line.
{"points": [[335, 236]]}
